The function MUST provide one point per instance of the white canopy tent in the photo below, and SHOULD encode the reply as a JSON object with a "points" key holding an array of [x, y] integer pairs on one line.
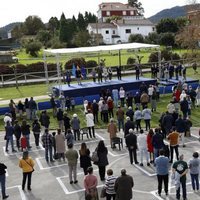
{"points": [[119, 47]]}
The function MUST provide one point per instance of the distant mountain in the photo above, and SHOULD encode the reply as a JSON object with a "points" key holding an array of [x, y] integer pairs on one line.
{"points": [[175, 12], [4, 30]]}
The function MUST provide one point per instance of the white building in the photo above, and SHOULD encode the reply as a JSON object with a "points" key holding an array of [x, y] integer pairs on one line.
{"points": [[120, 30]]}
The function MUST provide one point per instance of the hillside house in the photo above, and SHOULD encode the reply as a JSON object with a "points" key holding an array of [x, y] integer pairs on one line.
{"points": [[118, 31]]}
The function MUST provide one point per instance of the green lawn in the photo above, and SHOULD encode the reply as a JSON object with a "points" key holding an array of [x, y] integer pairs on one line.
{"points": [[154, 123]]}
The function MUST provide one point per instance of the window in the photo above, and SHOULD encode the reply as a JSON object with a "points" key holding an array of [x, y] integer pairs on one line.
{"points": [[108, 13], [107, 31], [128, 30], [153, 28], [138, 28], [132, 12], [124, 12], [113, 31]]}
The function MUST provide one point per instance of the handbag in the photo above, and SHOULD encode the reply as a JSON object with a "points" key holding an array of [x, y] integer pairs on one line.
{"points": [[5, 138], [94, 156], [103, 192], [30, 166]]}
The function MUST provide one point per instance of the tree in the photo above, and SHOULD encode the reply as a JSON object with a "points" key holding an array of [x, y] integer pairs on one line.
{"points": [[138, 5], [152, 38], [17, 32], [53, 25], [33, 47], [81, 22], [63, 29], [189, 36], [167, 25], [32, 25], [136, 38], [43, 36], [82, 39], [167, 39]]}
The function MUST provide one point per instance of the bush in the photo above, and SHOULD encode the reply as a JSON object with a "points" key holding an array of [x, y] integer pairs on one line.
{"points": [[5, 69], [136, 38], [33, 47], [75, 61], [167, 39], [165, 55], [131, 61], [91, 64]]}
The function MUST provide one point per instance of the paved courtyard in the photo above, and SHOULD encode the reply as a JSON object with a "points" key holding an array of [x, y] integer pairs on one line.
{"points": [[50, 181]]}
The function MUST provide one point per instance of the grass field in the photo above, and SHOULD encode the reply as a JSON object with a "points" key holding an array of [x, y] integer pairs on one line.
{"points": [[161, 107]]}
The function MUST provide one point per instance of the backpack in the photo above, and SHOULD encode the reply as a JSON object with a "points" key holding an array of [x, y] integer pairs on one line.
{"points": [[95, 157]]}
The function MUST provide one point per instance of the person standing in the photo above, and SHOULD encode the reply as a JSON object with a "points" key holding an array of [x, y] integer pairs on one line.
{"points": [[60, 144], [122, 94], [137, 72], [44, 119], [138, 117], [36, 128], [119, 72], [47, 144], [53, 106], [123, 186], [9, 136], [194, 166], [157, 141], [146, 113], [62, 101], [112, 130], [109, 74], [66, 121], [142, 145], [32, 108], [129, 124], [173, 138], [130, 113], [90, 185], [59, 116], [150, 145], [131, 142], [78, 75], [180, 127], [110, 107], [102, 153], [110, 185], [3, 168], [85, 159], [90, 123], [17, 133], [72, 157], [181, 168], [115, 95], [120, 118], [75, 123], [95, 110], [27, 164], [162, 170], [12, 108]]}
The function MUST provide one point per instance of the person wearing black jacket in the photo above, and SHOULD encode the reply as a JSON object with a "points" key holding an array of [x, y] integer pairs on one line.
{"points": [[36, 128], [128, 125], [17, 133], [131, 142], [3, 168], [60, 118], [95, 110]]}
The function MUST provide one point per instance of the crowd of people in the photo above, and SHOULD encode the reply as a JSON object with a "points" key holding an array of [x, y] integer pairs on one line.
{"points": [[128, 110]]}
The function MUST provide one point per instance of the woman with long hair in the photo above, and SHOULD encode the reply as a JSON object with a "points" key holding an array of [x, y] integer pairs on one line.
{"points": [[102, 153], [27, 164], [85, 160]]}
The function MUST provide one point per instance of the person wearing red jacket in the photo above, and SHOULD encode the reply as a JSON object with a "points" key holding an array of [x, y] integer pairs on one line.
{"points": [[110, 107], [150, 145]]}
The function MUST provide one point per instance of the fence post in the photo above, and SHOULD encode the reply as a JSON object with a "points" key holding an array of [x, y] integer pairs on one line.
{"points": [[25, 78], [2, 79]]}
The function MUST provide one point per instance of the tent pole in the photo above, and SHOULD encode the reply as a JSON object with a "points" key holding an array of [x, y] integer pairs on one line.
{"points": [[46, 69], [159, 63], [120, 63], [58, 72]]}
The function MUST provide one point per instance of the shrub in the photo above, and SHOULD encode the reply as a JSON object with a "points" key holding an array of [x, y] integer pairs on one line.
{"points": [[5, 69], [131, 61], [136, 38], [33, 47], [91, 64], [76, 61]]}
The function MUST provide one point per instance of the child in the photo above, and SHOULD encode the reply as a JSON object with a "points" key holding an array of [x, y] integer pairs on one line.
{"points": [[23, 143], [54, 144], [69, 137]]}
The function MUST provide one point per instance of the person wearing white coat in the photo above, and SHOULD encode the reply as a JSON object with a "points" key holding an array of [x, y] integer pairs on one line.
{"points": [[142, 145], [90, 123]]}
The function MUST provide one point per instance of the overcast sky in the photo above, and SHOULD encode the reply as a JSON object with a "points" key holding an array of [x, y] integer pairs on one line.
{"points": [[18, 11]]}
